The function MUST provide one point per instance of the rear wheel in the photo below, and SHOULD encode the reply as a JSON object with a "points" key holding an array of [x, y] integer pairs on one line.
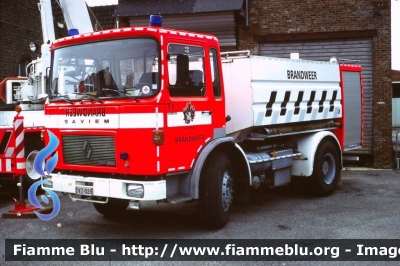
{"points": [[326, 173], [112, 207], [216, 190]]}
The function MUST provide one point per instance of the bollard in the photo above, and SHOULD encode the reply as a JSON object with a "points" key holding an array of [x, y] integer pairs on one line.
{"points": [[20, 209]]}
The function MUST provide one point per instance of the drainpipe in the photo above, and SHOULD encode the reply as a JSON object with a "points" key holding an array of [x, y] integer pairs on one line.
{"points": [[247, 13]]}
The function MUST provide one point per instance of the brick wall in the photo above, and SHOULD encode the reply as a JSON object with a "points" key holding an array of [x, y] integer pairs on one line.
{"points": [[395, 75], [19, 25], [271, 17]]}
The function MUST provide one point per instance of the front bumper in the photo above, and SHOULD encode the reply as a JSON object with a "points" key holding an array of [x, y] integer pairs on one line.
{"points": [[106, 187]]}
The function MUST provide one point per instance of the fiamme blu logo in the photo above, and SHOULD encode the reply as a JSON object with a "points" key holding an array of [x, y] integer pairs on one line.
{"points": [[49, 167]]}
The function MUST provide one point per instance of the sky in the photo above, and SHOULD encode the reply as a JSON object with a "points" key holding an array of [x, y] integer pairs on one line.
{"points": [[395, 27]]}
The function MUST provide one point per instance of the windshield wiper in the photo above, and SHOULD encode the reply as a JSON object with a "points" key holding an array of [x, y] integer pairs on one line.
{"points": [[65, 98], [122, 93], [89, 96]]}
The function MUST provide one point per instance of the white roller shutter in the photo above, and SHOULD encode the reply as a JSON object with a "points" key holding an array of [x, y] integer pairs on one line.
{"points": [[220, 24]]}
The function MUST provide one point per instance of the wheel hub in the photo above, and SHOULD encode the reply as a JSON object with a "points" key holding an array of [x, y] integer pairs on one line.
{"points": [[325, 168], [227, 191], [329, 168]]}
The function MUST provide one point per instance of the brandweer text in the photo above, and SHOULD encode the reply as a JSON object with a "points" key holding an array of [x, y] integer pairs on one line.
{"points": [[295, 74], [86, 112]]}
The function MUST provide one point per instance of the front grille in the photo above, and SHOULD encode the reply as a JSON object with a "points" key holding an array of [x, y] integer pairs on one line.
{"points": [[89, 150]]}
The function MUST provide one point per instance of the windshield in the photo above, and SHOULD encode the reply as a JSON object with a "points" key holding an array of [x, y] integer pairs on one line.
{"points": [[118, 68]]}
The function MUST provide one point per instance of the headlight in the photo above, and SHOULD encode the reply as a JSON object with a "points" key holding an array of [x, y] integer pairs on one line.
{"points": [[48, 179], [135, 190]]}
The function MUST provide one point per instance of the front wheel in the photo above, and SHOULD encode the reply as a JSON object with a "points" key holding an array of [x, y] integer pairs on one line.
{"points": [[112, 207], [33, 145], [326, 172], [216, 190]]}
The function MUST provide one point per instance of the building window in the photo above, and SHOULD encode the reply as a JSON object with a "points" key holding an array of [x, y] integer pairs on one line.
{"points": [[396, 90], [22, 64]]}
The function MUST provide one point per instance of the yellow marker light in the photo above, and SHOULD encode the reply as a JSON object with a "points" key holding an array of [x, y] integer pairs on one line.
{"points": [[158, 137], [42, 135], [18, 109]]}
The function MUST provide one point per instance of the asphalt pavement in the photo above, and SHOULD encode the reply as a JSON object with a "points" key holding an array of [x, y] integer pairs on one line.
{"points": [[365, 206]]}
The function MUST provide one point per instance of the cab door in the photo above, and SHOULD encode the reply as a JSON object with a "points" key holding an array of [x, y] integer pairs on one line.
{"points": [[190, 110]]}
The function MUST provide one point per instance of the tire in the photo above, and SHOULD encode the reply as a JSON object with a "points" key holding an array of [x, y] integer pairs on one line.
{"points": [[216, 191], [112, 207], [31, 144], [326, 172]]}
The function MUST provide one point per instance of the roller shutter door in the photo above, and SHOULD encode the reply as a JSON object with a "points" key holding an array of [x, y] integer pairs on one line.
{"points": [[354, 49], [220, 24]]}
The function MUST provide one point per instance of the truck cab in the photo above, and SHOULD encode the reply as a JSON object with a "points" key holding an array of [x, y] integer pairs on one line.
{"points": [[147, 89]]}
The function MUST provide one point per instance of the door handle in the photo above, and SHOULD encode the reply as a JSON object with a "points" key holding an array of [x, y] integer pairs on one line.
{"points": [[205, 112]]}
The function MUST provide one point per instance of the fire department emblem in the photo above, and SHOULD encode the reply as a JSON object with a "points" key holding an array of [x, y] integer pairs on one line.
{"points": [[188, 113], [146, 89]]}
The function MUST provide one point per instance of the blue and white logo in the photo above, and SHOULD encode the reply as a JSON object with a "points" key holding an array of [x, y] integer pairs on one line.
{"points": [[50, 165]]}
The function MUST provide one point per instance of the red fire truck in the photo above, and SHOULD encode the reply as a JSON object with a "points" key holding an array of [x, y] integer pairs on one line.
{"points": [[156, 114], [29, 94]]}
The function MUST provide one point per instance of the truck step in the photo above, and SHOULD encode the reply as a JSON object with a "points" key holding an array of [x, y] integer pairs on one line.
{"points": [[178, 198]]}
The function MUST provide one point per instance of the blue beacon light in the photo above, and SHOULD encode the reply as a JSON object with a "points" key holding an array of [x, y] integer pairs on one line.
{"points": [[156, 20], [72, 32]]}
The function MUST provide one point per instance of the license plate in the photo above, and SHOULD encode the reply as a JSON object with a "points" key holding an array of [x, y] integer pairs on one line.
{"points": [[88, 191]]}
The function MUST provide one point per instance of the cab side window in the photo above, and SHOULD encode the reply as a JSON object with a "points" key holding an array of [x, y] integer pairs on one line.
{"points": [[186, 70], [215, 73]]}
